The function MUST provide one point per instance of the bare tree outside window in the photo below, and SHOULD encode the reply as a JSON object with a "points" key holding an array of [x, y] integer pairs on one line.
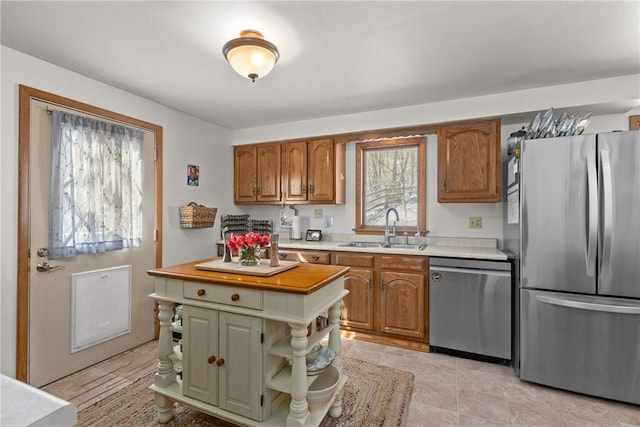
{"points": [[391, 175]]}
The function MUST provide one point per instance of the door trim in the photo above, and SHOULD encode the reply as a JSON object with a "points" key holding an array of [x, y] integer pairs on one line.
{"points": [[24, 121]]}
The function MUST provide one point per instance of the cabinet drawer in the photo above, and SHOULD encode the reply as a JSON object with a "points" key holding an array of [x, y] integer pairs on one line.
{"points": [[399, 262], [247, 298], [305, 256], [353, 260]]}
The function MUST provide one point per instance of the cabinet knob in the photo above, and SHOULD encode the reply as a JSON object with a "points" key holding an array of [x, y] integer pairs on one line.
{"points": [[201, 292], [235, 297], [220, 362], [283, 255], [315, 257], [211, 359]]}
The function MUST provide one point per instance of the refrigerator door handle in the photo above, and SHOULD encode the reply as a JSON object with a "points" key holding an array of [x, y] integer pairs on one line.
{"points": [[592, 220], [621, 309], [607, 214]]}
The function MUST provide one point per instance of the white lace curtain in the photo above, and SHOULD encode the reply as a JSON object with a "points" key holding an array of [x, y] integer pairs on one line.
{"points": [[95, 200]]}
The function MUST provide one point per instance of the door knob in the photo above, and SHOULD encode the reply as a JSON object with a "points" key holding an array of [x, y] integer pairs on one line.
{"points": [[44, 267], [220, 362], [211, 359]]}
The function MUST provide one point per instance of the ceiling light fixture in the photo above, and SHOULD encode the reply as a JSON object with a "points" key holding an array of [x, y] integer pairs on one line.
{"points": [[251, 55]]}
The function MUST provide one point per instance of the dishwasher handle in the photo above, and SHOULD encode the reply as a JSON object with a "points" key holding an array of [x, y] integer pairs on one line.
{"points": [[435, 268]]}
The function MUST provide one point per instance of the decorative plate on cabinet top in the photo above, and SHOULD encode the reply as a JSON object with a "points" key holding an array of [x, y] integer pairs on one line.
{"points": [[533, 126], [545, 121]]}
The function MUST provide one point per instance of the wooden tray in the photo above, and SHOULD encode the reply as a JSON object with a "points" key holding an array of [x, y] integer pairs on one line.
{"points": [[258, 270]]}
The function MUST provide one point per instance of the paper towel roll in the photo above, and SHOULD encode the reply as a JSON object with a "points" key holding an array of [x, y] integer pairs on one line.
{"points": [[295, 228]]}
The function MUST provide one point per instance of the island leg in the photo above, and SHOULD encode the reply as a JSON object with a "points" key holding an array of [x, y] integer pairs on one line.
{"points": [[335, 344], [298, 409], [165, 374]]}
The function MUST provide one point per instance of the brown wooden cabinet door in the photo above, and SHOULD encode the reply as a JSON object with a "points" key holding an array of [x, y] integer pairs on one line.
{"points": [[294, 171], [244, 173], [321, 170], [402, 304], [268, 173], [357, 307], [468, 162]]}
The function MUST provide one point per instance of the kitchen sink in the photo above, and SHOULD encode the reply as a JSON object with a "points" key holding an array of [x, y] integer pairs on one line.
{"points": [[379, 245]]}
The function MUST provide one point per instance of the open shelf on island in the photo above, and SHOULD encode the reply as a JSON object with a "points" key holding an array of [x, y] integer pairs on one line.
{"points": [[283, 347]]}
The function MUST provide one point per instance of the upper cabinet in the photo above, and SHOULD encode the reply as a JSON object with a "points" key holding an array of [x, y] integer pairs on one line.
{"points": [[257, 173], [469, 162], [293, 172]]}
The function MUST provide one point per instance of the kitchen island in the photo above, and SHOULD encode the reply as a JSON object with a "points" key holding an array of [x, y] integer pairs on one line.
{"points": [[245, 339]]}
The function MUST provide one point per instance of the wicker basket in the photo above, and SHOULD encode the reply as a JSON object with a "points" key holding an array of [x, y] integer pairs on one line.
{"points": [[197, 216]]}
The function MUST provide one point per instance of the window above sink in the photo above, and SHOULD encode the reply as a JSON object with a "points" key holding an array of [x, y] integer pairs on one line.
{"points": [[391, 174]]}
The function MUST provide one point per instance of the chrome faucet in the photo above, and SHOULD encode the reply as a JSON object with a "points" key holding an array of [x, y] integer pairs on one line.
{"points": [[389, 234]]}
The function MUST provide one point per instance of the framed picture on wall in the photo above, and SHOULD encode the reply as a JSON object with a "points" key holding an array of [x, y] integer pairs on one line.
{"points": [[193, 175]]}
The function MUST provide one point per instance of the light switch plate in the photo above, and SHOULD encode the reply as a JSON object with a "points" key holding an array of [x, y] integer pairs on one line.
{"points": [[317, 213]]}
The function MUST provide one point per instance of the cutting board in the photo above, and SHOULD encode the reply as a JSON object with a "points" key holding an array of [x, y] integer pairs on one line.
{"points": [[263, 269]]}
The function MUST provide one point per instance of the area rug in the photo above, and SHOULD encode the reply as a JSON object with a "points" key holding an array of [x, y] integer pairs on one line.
{"points": [[374, 395]]}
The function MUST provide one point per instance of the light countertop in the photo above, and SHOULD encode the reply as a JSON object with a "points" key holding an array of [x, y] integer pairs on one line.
{"points": [[436, 246]]}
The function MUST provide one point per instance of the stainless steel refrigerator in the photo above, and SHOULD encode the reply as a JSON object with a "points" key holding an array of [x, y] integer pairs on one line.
{"points": [[579, 252]]}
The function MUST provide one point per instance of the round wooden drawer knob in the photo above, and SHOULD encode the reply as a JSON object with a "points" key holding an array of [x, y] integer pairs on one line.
{"points": [[235, 297], [211, 359], [220, 362], [201, 292]]}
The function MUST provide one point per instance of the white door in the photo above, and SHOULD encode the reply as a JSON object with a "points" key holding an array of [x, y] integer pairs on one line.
{"points": [[50, 304]]}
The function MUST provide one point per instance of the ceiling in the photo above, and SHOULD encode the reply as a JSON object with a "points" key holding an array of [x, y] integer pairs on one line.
{"points": [[337, 57]]}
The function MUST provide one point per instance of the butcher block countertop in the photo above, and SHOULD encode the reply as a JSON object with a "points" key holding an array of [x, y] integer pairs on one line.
{"points": [[303, 279]]}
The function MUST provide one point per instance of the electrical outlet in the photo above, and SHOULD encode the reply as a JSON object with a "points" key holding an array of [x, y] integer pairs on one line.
{"points": [[475, 222], [317, 213]]}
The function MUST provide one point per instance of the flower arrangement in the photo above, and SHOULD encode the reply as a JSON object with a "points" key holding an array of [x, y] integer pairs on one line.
{"points": [[248, 246]]}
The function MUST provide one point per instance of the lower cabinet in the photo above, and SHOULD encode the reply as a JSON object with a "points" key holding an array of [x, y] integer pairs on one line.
{"points": [[388, 298], [222, 360], [402, 308], [356, 309]]}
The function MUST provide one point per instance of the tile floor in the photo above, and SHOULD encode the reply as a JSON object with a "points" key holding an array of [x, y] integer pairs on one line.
{"points": [[448, 391]]}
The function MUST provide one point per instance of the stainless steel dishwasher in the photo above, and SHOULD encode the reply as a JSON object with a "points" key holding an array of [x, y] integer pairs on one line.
{"points": [[470, 306]]}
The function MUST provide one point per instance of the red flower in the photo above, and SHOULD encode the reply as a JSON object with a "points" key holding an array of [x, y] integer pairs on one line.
{"points": [[249, 240]]}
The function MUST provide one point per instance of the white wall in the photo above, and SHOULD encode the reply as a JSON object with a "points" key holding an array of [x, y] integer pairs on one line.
{"points": [[618, 89], [446, 219], [186, 140]]}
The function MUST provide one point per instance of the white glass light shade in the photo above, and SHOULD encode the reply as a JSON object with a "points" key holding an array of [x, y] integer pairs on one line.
{"points": [[250, 55]]}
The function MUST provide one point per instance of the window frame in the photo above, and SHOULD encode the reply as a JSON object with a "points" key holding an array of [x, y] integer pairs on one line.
{"points": [[361, 149]]}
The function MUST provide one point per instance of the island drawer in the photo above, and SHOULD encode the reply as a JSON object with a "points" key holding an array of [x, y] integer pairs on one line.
{"points": [[247, 298], [305, 256]]}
